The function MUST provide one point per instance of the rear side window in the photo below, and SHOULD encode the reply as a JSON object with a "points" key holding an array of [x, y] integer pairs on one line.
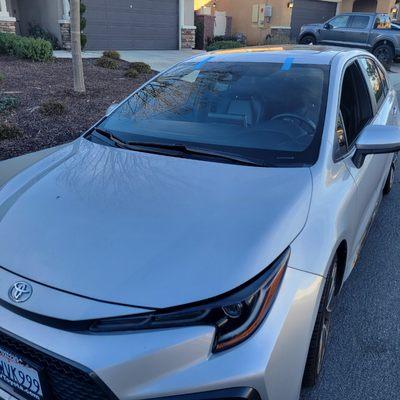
{"points": [[374, 79], [359, 22], [382, 21], [383, 80]]}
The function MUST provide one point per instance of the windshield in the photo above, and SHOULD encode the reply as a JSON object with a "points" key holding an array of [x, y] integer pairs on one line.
{"points": [[262, 111]]}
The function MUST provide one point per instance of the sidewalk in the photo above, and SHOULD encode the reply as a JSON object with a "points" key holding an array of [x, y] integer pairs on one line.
{"points": [[157, 59]]}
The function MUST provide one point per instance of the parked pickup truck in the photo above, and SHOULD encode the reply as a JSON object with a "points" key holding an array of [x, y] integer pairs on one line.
{"points": [[370, 31]]}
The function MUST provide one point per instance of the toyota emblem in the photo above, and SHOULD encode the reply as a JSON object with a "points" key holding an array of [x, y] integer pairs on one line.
{"points": [[20, 292]]}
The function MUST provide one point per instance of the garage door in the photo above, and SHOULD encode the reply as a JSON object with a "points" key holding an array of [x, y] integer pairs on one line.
{"points": [[132, 24], [309, 12]]}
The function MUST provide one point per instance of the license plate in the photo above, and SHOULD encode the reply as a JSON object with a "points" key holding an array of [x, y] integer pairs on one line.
{"points": [[20, 376]]}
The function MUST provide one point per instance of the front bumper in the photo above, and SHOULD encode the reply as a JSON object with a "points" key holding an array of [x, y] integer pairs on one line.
{"points": [[174, 362]]}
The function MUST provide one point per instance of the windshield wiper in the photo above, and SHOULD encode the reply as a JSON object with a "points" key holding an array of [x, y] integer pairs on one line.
{"points": [[180, 148]]}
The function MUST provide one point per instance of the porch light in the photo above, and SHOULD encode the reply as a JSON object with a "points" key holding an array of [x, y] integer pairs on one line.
{"points": [[290, 4]]}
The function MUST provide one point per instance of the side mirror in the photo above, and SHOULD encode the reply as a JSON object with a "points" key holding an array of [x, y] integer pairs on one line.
{"points": [[111, 108], [376, 139], [327, 26]]}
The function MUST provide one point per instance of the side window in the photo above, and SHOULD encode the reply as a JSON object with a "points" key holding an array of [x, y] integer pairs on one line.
{"points": [[374, 79], [355, 104], [359, 22], [383, 80], [341, 146], [382, 21], [339, 22]]}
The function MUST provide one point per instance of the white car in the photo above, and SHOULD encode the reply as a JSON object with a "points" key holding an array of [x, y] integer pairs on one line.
{"points": [[191, 244]]}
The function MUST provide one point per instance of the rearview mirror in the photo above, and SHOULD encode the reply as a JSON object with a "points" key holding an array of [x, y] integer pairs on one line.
{"points": [[327, 26], [376, 139]]}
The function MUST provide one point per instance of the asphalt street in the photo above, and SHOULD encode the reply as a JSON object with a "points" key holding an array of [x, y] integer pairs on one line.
{"points": [[363, 356]]}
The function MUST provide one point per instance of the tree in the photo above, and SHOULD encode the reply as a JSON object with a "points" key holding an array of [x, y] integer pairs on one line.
{"points": [[77, 65]]}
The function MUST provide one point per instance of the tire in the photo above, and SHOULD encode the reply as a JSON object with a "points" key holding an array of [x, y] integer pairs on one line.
{"points": [[308, 39], [320, 334], [389, 181], [385, 54]]}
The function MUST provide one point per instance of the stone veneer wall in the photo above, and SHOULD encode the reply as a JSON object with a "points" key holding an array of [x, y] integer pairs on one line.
{"points": [[65, 29], [7, 26], [188, 37]]}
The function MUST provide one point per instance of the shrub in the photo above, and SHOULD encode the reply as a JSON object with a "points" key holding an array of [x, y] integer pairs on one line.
{"points": [[8, 102], [25, 47], [83, 25], [8, 43], [9, 131], [2, 77], [224, 44], [111, 54], [34, 49], [52, 108], [38, 32], [106, 62], [131, 73], [141, 67]]}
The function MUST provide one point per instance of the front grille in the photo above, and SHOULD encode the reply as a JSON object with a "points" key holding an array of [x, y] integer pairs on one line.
{"points": [[64, 381]]}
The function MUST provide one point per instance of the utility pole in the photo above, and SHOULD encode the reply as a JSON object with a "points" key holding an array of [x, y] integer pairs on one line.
{"points": [[77, 65]]}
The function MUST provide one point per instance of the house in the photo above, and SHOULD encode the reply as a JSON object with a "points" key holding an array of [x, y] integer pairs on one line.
{"points": [[111, 24], [259, 19]]}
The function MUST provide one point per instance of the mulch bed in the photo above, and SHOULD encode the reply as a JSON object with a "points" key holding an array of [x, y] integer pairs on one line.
{"points": [[37, 83]]}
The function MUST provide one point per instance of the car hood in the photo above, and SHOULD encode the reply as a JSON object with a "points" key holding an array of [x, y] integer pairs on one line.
{"points": [[145, 229], [312, 26]]}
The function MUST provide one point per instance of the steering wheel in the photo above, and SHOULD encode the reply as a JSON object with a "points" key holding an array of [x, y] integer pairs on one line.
{"points": [[308, 126]]}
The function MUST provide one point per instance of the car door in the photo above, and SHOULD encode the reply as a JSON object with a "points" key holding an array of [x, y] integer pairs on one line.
{"points": [[335, 30], [358, 32], [362, 103]]}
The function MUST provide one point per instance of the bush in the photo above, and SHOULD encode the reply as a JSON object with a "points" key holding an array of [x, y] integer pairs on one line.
{"points": [[25, 47], [38, 32], [8, 43], [9, 131], [8, 102], [131, 73], [52, 108], [224, 44], [141, 67], [106, 62], [2, 77], [83, 25], [111, 54]]}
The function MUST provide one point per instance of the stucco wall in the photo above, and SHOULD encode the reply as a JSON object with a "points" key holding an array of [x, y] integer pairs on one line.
{"points": [[383, 6], [241, 13], [46, 13], [188, 14]]}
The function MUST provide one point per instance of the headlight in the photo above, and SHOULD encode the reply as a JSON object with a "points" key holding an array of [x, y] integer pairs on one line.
{"points": [[235, 315]]}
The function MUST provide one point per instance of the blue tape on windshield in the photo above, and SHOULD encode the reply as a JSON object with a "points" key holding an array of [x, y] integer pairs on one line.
{"points": [[202, 62], [287, 64]]}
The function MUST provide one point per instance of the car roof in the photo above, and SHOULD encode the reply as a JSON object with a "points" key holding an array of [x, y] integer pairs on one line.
{"points": [[306, 54]]}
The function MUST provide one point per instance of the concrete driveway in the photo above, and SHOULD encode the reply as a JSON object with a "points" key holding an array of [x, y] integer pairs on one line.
{"points": [[157, 59]]}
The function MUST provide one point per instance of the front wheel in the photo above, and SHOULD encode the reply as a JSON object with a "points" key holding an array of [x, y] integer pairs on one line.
{"points": [[320, 334], [385, 54], [308, 39]]}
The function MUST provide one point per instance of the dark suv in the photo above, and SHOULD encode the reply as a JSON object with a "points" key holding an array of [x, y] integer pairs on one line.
{"points": [[370, 31]]}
